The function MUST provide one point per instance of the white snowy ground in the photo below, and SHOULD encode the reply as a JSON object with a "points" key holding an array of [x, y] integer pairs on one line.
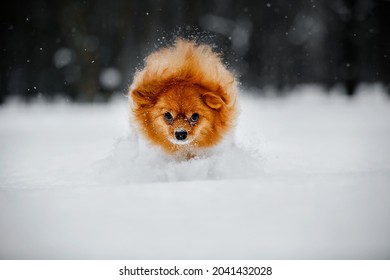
{"points": [[310, 179]]}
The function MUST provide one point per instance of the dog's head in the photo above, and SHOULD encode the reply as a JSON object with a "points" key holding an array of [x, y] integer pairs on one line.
{"points": [[184, 107]]}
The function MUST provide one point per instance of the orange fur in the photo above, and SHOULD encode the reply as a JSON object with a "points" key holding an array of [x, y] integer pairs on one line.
{"points": [[183, 80]]}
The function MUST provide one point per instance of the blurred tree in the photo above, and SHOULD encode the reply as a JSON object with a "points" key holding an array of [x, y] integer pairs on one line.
{"points": [[88, 50]]}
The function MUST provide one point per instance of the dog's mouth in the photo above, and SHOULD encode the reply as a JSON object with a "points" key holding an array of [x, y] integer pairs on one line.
{"points": [[180, 142]]}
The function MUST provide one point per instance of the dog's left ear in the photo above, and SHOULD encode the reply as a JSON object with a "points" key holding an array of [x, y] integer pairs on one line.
{"points": [[212, 100]]}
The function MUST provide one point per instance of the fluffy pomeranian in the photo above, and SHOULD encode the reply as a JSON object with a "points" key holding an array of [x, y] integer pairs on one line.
{"points": [[184, 99]]}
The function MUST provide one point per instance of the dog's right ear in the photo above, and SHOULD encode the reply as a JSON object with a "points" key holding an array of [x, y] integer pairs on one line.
{"points": [[142, 99]]}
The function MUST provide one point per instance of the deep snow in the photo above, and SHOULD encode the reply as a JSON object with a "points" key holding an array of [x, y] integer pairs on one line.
{"points": [[309, 178]]}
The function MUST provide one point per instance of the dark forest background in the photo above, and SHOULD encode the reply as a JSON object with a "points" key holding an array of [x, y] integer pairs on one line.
{"points": [[88, 50]]}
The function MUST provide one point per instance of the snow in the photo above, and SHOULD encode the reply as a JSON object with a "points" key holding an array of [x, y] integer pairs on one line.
{"points": [[110, 78], [63, 57], [308, 179]]}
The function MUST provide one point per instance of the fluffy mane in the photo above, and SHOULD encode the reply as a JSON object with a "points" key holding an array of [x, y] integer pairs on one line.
{"points": [[185, 62]]}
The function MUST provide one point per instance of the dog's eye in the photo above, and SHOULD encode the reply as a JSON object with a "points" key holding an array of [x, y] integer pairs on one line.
{"points": [[168, 117], [194, 117]]}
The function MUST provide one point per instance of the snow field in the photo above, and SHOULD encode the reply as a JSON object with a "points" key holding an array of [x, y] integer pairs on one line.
{"points": [[308, 179]]}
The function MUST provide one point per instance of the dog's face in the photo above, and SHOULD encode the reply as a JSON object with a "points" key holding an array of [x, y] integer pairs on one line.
{"points": [[183, 117], [184, 100]]}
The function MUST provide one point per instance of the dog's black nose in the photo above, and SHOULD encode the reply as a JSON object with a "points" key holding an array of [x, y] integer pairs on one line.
{"points": [[181, 134]]}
